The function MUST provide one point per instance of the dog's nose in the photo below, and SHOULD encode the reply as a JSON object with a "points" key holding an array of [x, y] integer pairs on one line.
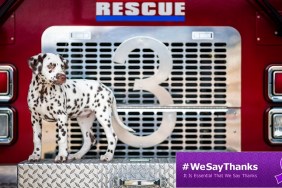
{"points": [[62, 77]]}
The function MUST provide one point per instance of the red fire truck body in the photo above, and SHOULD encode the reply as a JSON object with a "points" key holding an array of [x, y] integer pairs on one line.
{"points": [[23, 25]]}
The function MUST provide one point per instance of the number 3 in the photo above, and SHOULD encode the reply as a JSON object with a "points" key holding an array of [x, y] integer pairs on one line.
{"points": [[150, 84]]}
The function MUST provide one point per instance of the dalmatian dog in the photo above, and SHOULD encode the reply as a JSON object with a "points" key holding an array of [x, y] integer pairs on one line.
{"points": [[54, 98]]}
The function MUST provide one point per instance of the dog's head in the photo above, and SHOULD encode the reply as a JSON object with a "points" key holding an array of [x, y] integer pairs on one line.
{"points": [[49, 67]]}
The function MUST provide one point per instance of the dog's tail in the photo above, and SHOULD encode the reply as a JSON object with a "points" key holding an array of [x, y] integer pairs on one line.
{"points": [[114, 108]]}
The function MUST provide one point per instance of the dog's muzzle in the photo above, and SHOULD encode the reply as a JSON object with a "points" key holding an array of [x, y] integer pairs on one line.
{"points": [[60, 79]]}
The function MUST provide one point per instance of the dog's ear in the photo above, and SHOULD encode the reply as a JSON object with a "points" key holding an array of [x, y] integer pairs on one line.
{"points": [[65, 61], [35, 62]]}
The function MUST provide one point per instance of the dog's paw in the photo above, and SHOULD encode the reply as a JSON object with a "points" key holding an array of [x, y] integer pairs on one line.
{"points": [[107, 157], [34, 158], [60, 158]]}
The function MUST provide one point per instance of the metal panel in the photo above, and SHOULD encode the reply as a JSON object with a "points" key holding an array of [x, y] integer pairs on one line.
{"points": [[204, 83], [7, 125], [93, 173], [274, 125], [10, 82], [272, 95]]}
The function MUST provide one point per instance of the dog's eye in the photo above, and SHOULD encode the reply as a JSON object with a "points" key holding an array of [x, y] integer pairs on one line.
{"points": [[51, 66]]}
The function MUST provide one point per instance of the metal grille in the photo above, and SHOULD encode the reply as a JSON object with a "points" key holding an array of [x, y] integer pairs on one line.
{"points": [[198, 76], [205, 84], [194, 130]]}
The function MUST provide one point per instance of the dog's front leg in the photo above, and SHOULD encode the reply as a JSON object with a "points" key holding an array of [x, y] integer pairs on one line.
{"points": [[62, 139], [37, 136]]}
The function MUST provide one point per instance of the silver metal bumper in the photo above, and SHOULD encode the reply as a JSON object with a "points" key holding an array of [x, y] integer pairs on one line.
{"points": [[94, 173]]}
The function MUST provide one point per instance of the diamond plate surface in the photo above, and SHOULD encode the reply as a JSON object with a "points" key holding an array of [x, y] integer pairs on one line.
{"points": [[93, 173]]}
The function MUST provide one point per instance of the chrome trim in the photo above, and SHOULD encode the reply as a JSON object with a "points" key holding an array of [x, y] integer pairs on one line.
{"points": [[272, 95], [10, 129], [273, 88], [4, 131], [7, 74], [271, 125], [11, 73]]}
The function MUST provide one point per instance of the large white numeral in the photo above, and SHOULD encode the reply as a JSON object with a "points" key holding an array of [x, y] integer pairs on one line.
{"points": [[150, 84]]}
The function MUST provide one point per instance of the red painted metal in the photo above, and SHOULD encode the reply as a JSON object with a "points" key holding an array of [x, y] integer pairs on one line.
{"points": [[33, 16], [4, 77], [278, 83]]}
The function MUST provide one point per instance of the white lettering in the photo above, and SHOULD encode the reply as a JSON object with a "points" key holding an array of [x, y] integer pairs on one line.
{"points": [[132, 9], [195, 166], [218, 168], [224, 166], [103, 9], [140, 8], [179, 9], [148, 9], [118, 8], [165, 9]]}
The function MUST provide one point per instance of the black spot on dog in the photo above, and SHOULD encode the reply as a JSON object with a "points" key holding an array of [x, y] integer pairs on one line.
{"points": [[99, 89]]}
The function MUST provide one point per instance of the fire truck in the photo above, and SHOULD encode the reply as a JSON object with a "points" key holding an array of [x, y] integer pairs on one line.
{"points": [[188, 75]]}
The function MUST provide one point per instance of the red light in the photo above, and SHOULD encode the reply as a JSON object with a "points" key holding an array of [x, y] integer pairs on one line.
{"points": [[4, 87]]}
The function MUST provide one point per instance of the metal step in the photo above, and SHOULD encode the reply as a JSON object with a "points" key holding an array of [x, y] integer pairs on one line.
{"points": [[94, 173]]}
